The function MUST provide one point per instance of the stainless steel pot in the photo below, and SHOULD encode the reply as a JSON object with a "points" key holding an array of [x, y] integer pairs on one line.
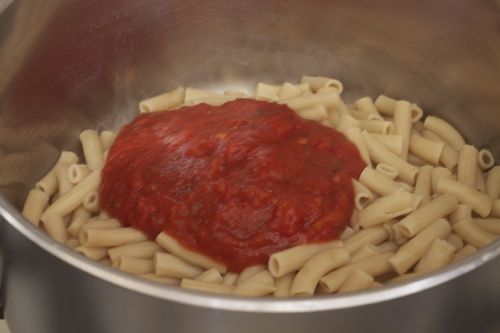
{"points": [[69, 65]]}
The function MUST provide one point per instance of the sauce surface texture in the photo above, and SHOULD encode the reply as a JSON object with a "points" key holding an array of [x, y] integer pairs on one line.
{"points": [[235, 182]]}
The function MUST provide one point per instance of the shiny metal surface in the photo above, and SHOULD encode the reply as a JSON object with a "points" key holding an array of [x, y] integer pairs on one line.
{"points": [[69, 65]]}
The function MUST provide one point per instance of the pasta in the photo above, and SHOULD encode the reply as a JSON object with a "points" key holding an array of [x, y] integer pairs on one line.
{"points": [[424, 200], [380, 154], [267, 92], [423, 186], [437, 174], [229, 279], [374, 266], [415, 248], [210, 276], [163, 102], [283, 285], [364, 252], [316, 113], [166, 264], [428, 150], [260, 284], [362, 195], [74, 198], [172, 246], [92, 149], [480, 184], [485, 159], [79, 217], [318, 82], [354, 135], [304, 102], [445, 131], [377, 126], [62, 178], [491, 225], [289, 90], [95, 253], [479, 202], [308, 276], [386, 208], [425, 215], [493, 183], [374, 235], [76, 172], [49, 184], [472, 233], [144, 250], [290, 260], [495, 210], [456, 241], [136, 266], [107, 139], [438, 255], [34, 206], [365, 105], [393, 142], [101, 224], [402, 125], [356, 280], [467, 165], [466, 251], [193, 96], [205, 286], [249, 272], [385, 105], [377, 182], [110, 237], [461, 212], [91, 201]]}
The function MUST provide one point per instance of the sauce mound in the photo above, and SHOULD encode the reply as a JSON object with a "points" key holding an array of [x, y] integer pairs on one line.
{"points": [[235, 182]]}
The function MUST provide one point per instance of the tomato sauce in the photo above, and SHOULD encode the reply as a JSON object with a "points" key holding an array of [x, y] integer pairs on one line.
{"points": [[235, 182]]}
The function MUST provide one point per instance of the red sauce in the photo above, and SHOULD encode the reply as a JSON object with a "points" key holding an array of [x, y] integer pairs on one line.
{"points": [[236, 182]]}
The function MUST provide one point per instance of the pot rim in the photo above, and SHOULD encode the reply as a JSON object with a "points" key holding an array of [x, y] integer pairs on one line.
{"points": [[236, 303]]}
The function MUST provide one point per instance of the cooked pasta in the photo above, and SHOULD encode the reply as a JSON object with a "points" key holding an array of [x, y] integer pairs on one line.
{"points": [[467, 165], [415, 248], [34, 206], [308, 276], [283, 285], [211, 276], [445, 131], [378, 182], [163, 102], [425, 215], [290, 260], [49, 183], [438, 255], [380, 154], [260, 284], [425, 199], [386, 208], [402, 125], [249, 272], [472, 233], [479, 202], [357, 280]]}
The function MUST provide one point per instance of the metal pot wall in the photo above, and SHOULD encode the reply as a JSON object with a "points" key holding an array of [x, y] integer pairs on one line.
{"points": [[70, 65]]}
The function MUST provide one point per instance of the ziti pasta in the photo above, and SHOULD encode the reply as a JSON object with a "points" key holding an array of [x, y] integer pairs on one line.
{"points": [[417, 196]]}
